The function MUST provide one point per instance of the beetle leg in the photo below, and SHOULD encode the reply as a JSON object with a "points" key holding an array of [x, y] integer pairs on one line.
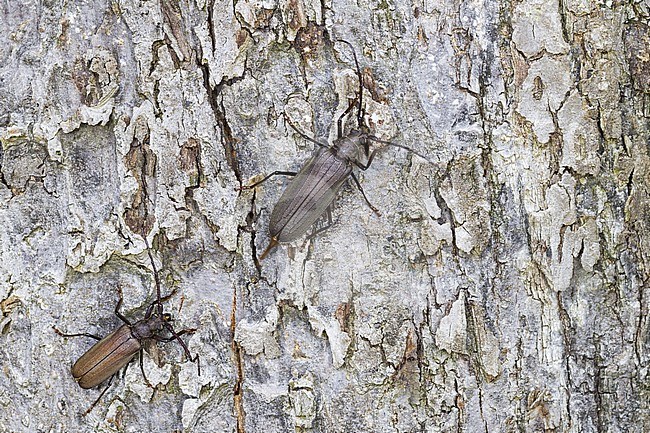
{"points": [[156, 277], [149, 311], [158, 304], [302, 134], [180, 307], [83, 334], [275, 173], [356, 181], [118, 306], [401, 146], [339, 122], [167, 297], [367, 164], [325, 227], [172, 338], [318, 231], [142, 370], [92, 406], [188, 354]]}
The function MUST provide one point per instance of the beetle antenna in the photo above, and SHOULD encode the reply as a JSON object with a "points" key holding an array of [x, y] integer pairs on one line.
{"points": [[356, 62]]}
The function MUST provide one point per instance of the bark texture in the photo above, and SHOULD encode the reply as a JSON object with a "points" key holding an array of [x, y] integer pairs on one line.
{"points": [[503, 289]]}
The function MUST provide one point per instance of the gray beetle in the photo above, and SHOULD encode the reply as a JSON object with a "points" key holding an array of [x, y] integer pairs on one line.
{"points": [[313, 189]]}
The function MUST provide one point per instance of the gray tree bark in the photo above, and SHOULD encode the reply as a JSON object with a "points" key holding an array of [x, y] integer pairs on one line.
{"points": [[503, 289]]}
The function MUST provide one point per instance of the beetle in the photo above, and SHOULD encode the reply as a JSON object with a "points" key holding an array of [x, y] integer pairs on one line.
{"points": [[117, 349], [313, 189]]}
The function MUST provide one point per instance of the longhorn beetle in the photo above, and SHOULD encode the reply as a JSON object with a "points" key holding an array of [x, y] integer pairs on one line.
{"points": [[313, 189], [114, 351]]}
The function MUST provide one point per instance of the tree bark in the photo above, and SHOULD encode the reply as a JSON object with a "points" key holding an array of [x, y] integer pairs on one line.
{"points": [[504, 288]]}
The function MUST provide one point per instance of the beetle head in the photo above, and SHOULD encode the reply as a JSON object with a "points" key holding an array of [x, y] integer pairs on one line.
{"points": [[352, 146]]}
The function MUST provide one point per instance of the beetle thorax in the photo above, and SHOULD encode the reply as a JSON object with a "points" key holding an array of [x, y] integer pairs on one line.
{"points": [[350, 147], [147, 328]]}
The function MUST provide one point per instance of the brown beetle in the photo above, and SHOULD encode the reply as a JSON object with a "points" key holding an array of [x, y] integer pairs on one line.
{"points": [[118, 348]]}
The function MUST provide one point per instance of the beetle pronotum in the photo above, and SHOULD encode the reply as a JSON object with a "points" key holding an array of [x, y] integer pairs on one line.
{"points": [[313, 189], [118, 348]]}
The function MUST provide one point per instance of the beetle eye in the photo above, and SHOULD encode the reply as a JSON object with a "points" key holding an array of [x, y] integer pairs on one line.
{"points": [[167, 317]]}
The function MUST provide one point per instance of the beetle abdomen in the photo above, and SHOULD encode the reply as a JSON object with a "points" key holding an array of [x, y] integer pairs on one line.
{"points": [[308, 195], [105, 358]]}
